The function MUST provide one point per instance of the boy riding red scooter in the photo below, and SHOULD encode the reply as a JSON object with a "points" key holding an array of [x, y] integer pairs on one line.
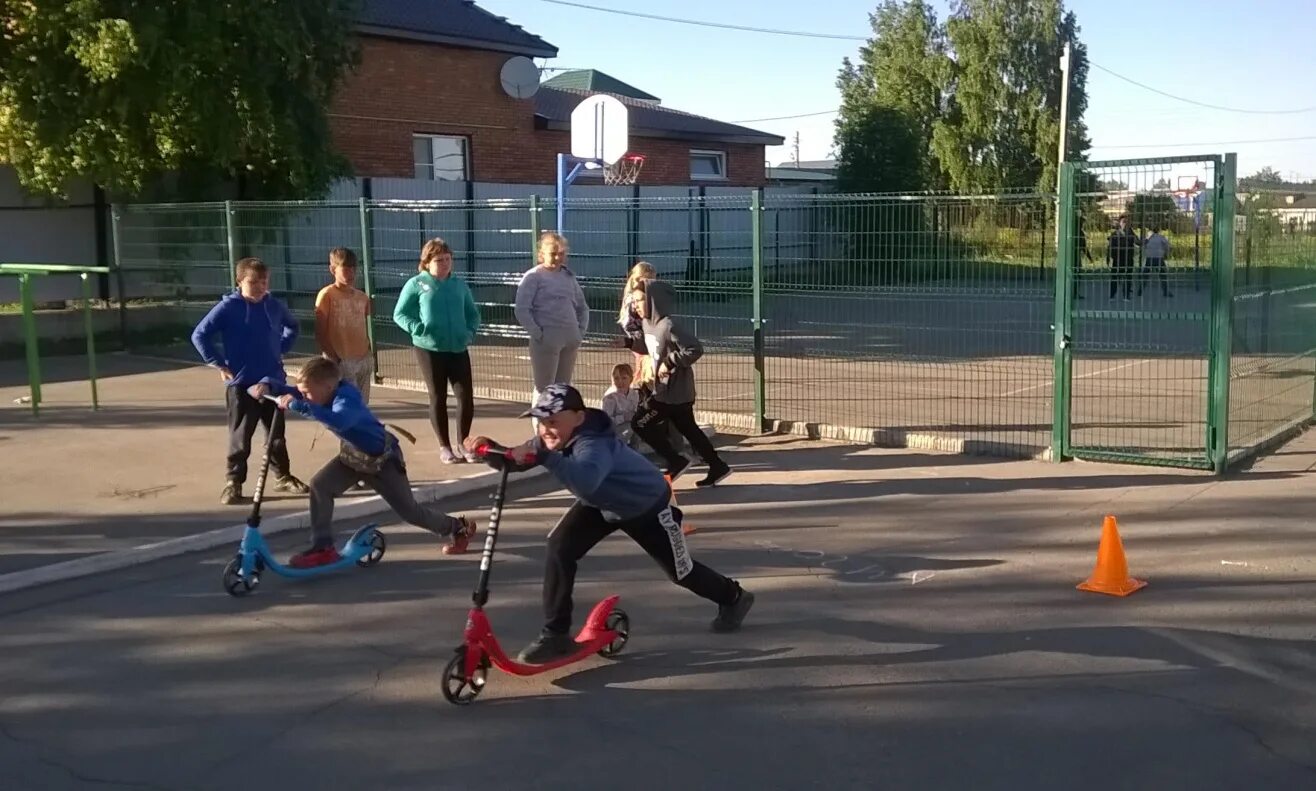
{"points": [[616, 489]]}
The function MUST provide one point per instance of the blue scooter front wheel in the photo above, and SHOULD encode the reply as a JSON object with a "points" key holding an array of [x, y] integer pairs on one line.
{"points": [[236, 584]]}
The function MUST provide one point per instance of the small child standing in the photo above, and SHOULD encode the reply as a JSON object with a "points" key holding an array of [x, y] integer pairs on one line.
{"points": [[342, 312], [621, 401], [255, 331], [1155, 251], [369, 453]]}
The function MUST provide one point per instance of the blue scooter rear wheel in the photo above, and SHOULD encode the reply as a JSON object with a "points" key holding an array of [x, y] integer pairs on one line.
{"points": [[377, 547]]}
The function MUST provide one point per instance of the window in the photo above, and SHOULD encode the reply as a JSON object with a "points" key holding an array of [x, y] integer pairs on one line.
{"points": [[440, 157], [708, 164]]}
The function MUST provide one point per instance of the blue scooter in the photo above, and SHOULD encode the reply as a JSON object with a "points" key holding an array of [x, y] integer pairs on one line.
{"points": [[242, 574]]}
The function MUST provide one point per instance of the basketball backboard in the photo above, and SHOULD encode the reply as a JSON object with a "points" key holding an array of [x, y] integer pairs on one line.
{"points": [[599, 129]]}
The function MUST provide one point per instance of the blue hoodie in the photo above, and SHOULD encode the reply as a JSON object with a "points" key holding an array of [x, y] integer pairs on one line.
{"points": [[347, 416], [255, 336], [603, 472]]}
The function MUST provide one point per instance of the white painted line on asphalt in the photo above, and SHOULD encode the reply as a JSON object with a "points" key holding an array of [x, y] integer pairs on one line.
{"points": [[147, 553], [1049, 382]]}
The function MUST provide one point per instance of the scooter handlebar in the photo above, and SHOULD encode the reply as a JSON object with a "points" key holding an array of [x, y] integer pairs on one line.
{"points": [[496, 455]]}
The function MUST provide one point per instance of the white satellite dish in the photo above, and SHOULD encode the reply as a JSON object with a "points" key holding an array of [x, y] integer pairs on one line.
{"points": [[520, 77], [599, 129]]}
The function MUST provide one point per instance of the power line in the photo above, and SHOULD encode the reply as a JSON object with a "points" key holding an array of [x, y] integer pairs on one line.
{"points": [[746, 28], [836, 36], [1219, 142], [1146, 87], [786, 117]]}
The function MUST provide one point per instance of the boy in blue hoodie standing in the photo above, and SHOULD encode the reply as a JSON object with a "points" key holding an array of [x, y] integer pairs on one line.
{"points": [[255, 330], [616, 489], [368, 453]]}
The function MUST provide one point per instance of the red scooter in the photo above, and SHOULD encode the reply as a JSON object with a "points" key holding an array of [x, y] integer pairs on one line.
{"points": [[605, 632]]}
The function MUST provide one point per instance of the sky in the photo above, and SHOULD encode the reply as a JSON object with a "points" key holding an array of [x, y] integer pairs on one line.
{"points": [[1253, 55]]}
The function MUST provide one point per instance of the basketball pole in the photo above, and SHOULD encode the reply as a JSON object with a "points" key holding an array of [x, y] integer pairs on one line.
{"points": [[564, 180]]}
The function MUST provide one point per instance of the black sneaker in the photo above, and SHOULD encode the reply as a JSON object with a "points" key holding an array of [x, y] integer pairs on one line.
{"points": [[546, 648], [232, 494], [715, 474], [674, 470], [729, 616], [291, 485]]}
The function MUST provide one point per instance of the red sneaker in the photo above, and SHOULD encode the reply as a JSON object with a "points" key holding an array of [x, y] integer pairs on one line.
{"points": [[312, 558], [461, 538]]}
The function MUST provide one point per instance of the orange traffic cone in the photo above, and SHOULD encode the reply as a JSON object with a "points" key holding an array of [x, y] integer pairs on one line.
{"points": [[686, 526], [1111, 574]]}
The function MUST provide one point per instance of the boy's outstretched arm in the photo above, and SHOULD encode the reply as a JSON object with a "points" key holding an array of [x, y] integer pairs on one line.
{"points": [[586, 467]]}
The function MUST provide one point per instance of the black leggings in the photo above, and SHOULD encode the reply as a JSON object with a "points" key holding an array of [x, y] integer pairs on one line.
{"points": [[658, 533], [439, 369], [682, 418]]}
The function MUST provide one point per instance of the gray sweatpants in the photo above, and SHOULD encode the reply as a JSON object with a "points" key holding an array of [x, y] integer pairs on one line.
{"points": [[553, 357], [391, 483]]}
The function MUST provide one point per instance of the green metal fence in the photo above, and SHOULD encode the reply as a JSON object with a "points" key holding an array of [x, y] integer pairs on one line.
{"points": [[934, 321]]}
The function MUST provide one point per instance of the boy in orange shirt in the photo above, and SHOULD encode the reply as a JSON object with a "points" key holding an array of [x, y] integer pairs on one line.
{"points": [[341, 313]]}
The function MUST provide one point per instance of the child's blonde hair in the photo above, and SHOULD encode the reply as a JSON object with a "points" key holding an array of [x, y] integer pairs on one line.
{"points": [[622, 368], [644, 377], [342, 256], [432, 249], [320, 369], [547, 238], [643, 270]]}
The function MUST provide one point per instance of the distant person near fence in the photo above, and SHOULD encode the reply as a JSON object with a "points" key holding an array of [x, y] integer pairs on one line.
{"points": [[342, 312], [1156, 251], [550, 306], [1121, 251], [437, 310]]}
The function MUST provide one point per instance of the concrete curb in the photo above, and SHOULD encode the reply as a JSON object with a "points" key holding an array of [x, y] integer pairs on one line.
{"points": [[230, 536]]}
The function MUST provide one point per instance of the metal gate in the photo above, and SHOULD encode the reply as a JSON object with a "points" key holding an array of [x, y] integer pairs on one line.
{"points": [[1143, 294]]}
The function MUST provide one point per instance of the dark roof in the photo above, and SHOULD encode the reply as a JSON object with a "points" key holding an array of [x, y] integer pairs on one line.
{"points": [[597, 82], [553, 108], [458, 22]]}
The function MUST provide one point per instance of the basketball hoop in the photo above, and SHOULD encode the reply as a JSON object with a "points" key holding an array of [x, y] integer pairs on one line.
{"points": [[624, 171]]}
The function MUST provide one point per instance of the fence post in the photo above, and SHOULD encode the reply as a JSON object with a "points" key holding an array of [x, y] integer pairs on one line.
{"points": [[470, 226], [232, 238], [1062, 323], [534, 225], [30, 342], [369, 283], [1222, 308], [760, 379], [116, 241], [90, 327]]}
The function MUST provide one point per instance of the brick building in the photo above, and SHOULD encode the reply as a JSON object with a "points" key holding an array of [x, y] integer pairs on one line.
{"points": [[426, 102]]}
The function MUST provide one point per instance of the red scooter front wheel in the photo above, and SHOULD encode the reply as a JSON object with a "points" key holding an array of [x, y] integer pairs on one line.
{"points": [[457, 688]]}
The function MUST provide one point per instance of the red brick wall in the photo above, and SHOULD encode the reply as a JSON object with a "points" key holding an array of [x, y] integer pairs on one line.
{"points": [[403, 88]]}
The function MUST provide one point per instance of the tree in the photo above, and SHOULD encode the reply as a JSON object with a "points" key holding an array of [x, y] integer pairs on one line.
{"points": [[1148, 210], [1003, 115], [124, 93], [891, 99], [1161, 184], [1266, 175], [1112, 185]]}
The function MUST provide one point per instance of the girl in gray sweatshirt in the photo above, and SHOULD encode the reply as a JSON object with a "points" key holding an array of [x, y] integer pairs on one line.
{"points": [[550, 306]]}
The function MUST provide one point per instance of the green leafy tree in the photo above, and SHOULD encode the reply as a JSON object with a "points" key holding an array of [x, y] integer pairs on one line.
{"points": [[1002, 121], [890, 101], [1266, 175], [1148, 210], [124, 93]]}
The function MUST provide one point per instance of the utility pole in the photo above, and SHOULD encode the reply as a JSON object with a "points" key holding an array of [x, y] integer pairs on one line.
{"points": [[797, 149], [1064, 130]]}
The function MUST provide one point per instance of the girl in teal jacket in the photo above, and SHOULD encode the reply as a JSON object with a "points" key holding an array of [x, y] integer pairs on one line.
{"points": [[437, 310]]}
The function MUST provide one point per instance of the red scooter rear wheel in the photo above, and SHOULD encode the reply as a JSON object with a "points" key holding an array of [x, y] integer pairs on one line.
{"points": [[619, 622]]}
